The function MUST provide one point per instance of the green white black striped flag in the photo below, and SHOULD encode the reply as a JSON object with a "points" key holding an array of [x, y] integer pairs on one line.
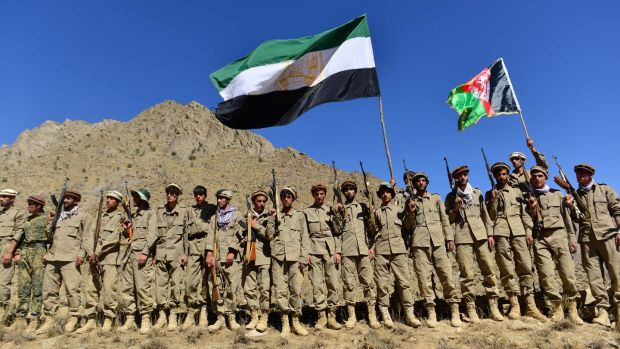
{"points": [[281, 79]]}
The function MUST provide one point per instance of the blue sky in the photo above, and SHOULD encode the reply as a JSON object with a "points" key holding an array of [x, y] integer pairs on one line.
{"points": [[112, 59]]}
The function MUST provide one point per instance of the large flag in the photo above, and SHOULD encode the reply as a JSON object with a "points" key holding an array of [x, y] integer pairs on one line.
{"points": [[281, 79], [488, 93]]}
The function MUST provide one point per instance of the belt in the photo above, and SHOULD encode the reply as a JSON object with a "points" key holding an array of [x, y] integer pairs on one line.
{"points": [[35, 244], [322, 234], [197, 236]]}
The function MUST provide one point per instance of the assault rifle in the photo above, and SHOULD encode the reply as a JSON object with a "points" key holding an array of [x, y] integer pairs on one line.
{"points": [[275, 198], [250, 245], [581, 209], [489, 173], [529, 194], [407, 179], [371, 202], [94, 264], [59, 205], [127, 208], [213, 270], [450, 179]]}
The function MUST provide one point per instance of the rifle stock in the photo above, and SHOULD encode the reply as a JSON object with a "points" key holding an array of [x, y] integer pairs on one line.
{"points": [[58, 211]]}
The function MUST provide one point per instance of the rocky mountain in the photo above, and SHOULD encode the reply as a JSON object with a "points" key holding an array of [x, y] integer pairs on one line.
{"points": [[169, 142]]}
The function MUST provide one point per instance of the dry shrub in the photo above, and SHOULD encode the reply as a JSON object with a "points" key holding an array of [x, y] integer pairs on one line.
{"points": [[155, 343], [563, 325], [194, 335]]}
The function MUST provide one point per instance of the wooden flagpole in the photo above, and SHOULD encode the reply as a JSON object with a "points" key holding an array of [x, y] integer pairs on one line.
{"points": [[385, 141]]}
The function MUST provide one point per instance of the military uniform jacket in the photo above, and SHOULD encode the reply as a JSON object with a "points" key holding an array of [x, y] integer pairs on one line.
{"points": [[35, 230], [11, 224], [555, 215], [228, 238], [144, 231], [473, 222], [173, 229], [512, 219], [259, 235], [290, 241], [518, 180], [390, 228], [68, 241], [604, 206], [354, 236], [110, 235], [432, 226], [198, 240], [323, 231]]}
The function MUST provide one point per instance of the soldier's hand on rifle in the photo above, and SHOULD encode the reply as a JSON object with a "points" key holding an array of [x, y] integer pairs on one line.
{"points": [[337, 258], [50, 216], [78, 260], [393, 182], [572, 246], [529, 239], [184, 259], [339, 207], [457, 203], [451, 246], [254, 223], [371, 253], [44, 258], [92, 259], [230, 257], [569, 200], [126, 224], [533, 204], [142, 258], [494, 194], [309, 259], [154, 260], [491, 241], [411, 205], [7, 260], [17, 258], [530, 143], [209, 260], [272, 212]]}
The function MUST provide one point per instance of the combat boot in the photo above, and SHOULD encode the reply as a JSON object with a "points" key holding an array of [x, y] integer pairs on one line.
{"points": [[90, 325], [107, 325], [189, 319], [372, 317], [261, 326], [130, 324], [322, 321], [351, 320], [557, 312], [203, 321], [286, 328], [48, 324], [410, 318], [217, 325], [232, 322], [531, 309], [331, 320], [297, 328], [18, 325], [145, 325], [431, 322], [455, 315], [515, 308], [172, 320], [161, 320], [602, 317], [32, 325], [494, 310], [573, 314], [253, 320], [387, 319], [472, 314]]}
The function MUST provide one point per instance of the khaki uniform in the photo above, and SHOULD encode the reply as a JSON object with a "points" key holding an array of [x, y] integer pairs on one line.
{"points": [[597, 241], [391, 254], [289, 247], [518, 180], [551, 249], [32, 247], [356, 265], [103, 283], [428, 247], [227, 237], [472, 226], [195, 275], [257, 279], [173, 228], [11, 223], [60, 268], [511, 225], [136, 282], [324, 244]]}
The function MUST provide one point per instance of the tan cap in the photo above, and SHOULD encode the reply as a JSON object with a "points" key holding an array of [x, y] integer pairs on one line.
{"points": [[517, 154], [419, 175], [460, 169], [348, 184], [585, 167], [540, 169], [259, 193], [498, 166], [388, 186], [114, 194], [8, 192], [74, 194], [37, 199], [174, 186], [290, 190], [224, 193], [318, 186]]}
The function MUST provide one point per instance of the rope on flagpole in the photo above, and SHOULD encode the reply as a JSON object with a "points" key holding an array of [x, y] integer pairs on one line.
{"points": [[385, 141]]}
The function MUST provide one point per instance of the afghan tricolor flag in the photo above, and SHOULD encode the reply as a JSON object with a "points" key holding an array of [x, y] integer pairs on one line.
{"points": [[488, 93], [281, 79]]}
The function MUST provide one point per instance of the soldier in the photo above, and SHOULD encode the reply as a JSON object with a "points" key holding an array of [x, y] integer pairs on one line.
{"points": [[553, 246], [32, 246], [11, 223], [104, 259], [512, 234], [428, 247], [391, 253], [517, 176], [600, 239], [289, 258], [137, 273], [195, 272], [257, 279], [356, 265], [175, 222], [473, 236], [227, 229], [324, 258], [62, 262]]}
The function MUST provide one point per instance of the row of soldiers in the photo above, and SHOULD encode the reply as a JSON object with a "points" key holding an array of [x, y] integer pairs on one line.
{"points": [[167, 264]]}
